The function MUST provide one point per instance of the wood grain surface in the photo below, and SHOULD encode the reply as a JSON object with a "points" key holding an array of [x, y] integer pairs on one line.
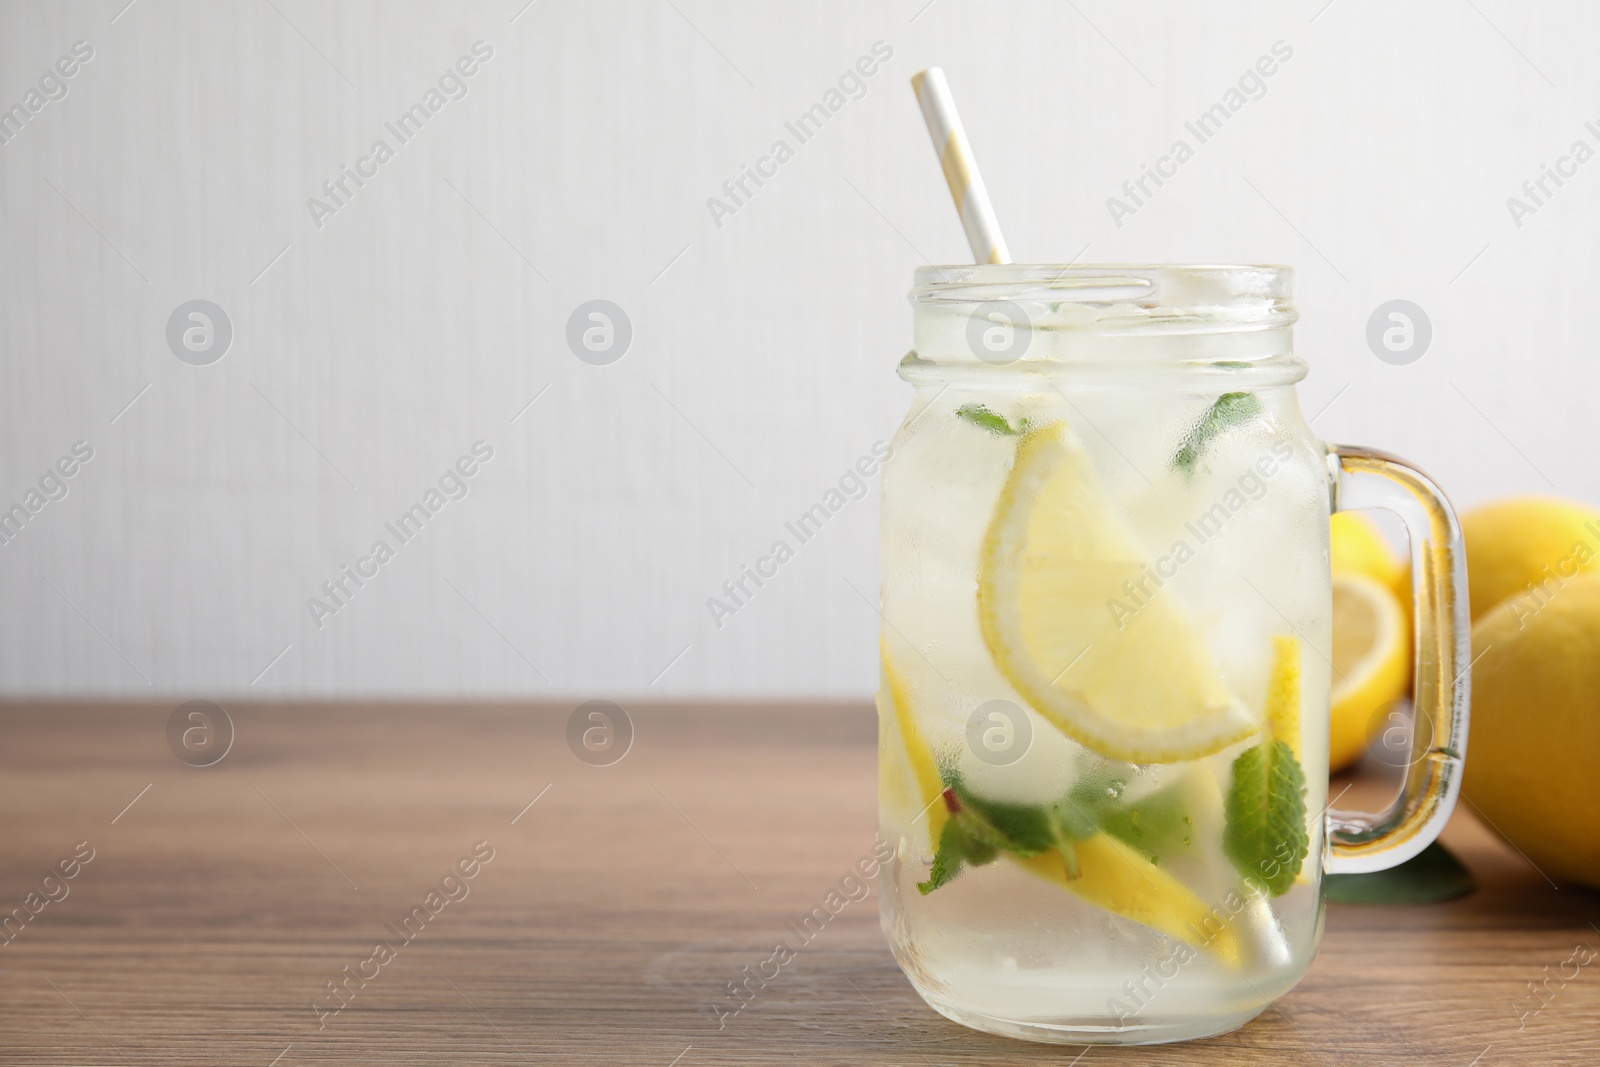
{"points": [[220, 904]]}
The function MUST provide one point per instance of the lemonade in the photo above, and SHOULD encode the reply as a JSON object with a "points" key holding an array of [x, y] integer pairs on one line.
{"points": [[1106, 653]]}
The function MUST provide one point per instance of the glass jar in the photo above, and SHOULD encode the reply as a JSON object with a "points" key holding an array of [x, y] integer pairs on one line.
{"points": [[1108, 652]]}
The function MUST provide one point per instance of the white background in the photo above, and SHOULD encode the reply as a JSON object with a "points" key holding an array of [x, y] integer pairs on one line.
{"points": [[428, 311]]}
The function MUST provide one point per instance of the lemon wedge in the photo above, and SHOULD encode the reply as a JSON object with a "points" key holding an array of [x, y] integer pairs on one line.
{"points": [[1077, 623]]}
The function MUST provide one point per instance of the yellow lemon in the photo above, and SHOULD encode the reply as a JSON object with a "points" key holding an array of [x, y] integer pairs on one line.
{"points": [[1534, 751], [1371, 663], [1285, 697], [1284, 693], [1128, 676], [906, 766], [1536, 540], [1359, 547]]}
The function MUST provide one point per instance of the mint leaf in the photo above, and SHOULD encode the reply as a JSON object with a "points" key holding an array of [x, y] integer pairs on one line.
{"points": [[956, 849], [1157, 826], [985, 416], [1099, 785], [1230, 410], [1023, 829], [1075, 819], [1432, 875], [1265, 832], [980, 828]]}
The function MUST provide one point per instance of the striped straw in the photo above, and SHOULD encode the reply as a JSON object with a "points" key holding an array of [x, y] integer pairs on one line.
{"points": [[960, 168]]}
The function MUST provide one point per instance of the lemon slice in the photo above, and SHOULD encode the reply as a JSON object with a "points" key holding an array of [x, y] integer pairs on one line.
{"points": [[1371, 647], [1117, 666], [1284, 703], [903, 753], [1118, 879], [1283, 693], [1111, 875]]}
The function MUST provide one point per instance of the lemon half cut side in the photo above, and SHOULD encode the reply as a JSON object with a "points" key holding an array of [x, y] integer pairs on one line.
{"points": [[1371, 664]]}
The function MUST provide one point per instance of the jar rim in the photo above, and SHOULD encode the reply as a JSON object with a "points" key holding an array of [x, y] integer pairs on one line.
{"points": [[1121, 296]]}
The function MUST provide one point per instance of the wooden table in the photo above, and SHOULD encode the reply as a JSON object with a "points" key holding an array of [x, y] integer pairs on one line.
{"points": [[615, 910]]}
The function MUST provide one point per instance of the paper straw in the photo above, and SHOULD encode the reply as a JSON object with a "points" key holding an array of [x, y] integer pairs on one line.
{"points": [[960, 168]]}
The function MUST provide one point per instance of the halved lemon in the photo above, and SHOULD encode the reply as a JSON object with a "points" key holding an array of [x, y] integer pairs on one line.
{"points": [[1076, 621], [1371, 663]]}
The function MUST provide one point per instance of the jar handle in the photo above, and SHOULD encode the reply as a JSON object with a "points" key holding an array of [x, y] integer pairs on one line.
{"points": [[1363, 841]]}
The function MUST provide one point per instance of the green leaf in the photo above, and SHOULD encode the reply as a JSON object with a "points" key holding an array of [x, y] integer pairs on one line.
{"points": [[1069, 857], [1230, 410], [1155, 827], [1432, 875], [1098, 788], [947, 861], [1023, 829], [1075, 820], [985, 416], [1016, 828], [956, 848], [1265, 833], [979, 829]]}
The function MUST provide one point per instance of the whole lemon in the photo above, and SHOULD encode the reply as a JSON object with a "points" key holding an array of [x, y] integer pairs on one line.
{"points": [[1359, 547], [1534, 753], [1540, 540]]}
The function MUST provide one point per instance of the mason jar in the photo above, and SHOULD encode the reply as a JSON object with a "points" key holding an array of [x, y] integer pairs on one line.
{"points": [[1108, 648]]}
